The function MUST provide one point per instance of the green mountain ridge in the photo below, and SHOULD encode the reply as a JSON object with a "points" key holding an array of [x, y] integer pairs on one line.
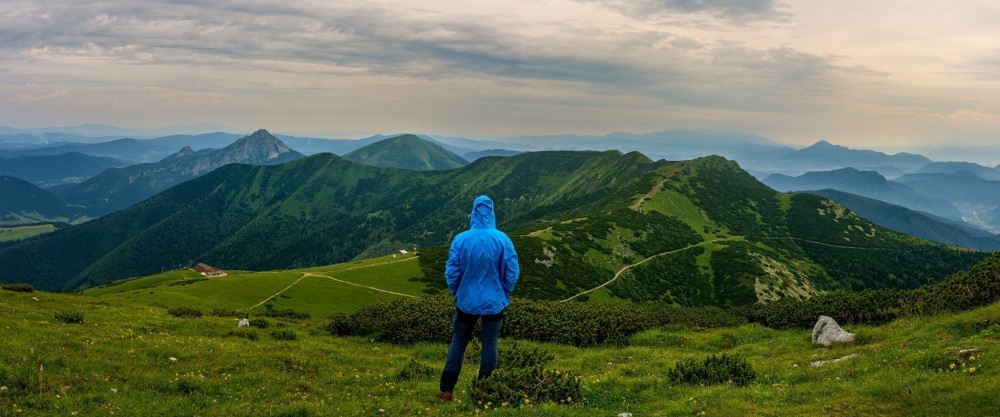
{"points": [[407, 152], [23, 202], [697, 232]]}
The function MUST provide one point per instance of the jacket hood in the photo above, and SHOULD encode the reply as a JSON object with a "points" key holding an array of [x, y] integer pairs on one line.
{"points": [[482, 214]]}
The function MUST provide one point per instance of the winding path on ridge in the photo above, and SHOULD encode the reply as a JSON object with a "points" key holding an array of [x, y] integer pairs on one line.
{"points": [[627, 267], [310, 274]]}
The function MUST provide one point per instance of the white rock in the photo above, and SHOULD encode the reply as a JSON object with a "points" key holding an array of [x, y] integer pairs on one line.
{"points": [[827, 331], [625, 415], [244, 323]]}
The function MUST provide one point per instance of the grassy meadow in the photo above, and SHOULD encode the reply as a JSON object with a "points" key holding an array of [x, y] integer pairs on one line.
{"points": [[319, 291], [131, 358], [11, 233]]}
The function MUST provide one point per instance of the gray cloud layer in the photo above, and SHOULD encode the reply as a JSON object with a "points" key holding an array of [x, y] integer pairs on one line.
{"points": [[378, 41]]}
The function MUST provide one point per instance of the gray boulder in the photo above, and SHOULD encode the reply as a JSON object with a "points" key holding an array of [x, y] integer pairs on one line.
{"points": [[826, 332]]}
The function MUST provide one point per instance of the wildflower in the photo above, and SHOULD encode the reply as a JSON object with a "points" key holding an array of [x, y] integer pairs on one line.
{"points": [[952, 366], [114, 390], [3, 388], [972, 369]]}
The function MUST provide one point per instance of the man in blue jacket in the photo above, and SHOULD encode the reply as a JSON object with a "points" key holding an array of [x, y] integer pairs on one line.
{"points": [[481, 272]]}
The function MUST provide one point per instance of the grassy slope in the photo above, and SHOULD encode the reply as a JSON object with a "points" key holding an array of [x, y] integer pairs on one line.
{"points": [[119, 360], [315, 294], [23, 232]]}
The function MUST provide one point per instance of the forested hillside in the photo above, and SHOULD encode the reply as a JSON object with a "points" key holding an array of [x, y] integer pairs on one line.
{"points": [[693, 232]]}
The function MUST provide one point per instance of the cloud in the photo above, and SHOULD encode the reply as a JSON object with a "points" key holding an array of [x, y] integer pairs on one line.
{"points": [[732, 11]]}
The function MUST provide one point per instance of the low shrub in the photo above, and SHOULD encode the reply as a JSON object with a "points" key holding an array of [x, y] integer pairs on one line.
{"points": [[428, 319], [288, 313], [713, 370], [521, 378], [284, 335], [18, 287], [244, 333], [184, 312], [513, 387], [260, 323], [69, 317], [228, 312], [414, 369]]}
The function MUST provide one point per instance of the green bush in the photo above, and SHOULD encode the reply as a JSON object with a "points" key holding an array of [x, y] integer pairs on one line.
{"points": [[512, 387], [18, 287], [428, 319], [713, 370], [284, 335], [69, 317], [521, 378], [414, 369], [184, 312], [288, 313], [260, 323], [244, 333], [228, 312]]}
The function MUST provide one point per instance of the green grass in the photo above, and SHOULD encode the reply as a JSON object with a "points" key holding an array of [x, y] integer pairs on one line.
{"points": [[8, 234], [119, 360], [242, 290]]}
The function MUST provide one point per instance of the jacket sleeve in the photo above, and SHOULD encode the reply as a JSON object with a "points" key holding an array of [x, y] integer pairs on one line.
{"points": [[453, 268], [512, 271]]}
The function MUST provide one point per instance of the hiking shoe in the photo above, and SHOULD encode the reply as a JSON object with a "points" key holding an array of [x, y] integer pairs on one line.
{"points": [[444, 396]]}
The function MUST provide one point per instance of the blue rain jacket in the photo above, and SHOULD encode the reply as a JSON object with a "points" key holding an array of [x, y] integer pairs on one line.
{"points": [[482, 265]]}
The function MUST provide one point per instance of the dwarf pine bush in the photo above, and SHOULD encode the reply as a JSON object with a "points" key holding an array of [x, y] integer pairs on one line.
{"points": [[69, 317], [18, 287], [521, 378], [713, 370], [284, 335], [184, 312], [414, 369]]}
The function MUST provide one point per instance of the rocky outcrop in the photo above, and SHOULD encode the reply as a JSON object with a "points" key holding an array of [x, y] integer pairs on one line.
{"points": [[827, 332]]}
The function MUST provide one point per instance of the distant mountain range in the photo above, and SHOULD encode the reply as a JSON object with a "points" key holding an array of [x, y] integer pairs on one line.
{"points": [[407, 152], [119, 188], [914, 223], [962, 195], [46, 171], [699, 232], [866, 184]]}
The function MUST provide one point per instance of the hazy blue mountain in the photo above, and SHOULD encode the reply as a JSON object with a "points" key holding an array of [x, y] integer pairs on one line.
{"points": [[131, 150], [985, 173], [977, 198], [103, 132], [118, 188], [46, 171], [823, 156], [407, 152], [868, 184], [914, 223], [23, 202]]}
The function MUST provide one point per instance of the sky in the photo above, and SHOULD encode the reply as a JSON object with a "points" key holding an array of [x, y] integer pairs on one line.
{"points": [[857, 73]]}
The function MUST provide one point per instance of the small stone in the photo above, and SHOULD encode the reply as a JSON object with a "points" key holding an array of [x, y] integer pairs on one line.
{"points": [[625, 415], [826, 332], [964, 354], [34, 298], [244, 323], [173, 359]]}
